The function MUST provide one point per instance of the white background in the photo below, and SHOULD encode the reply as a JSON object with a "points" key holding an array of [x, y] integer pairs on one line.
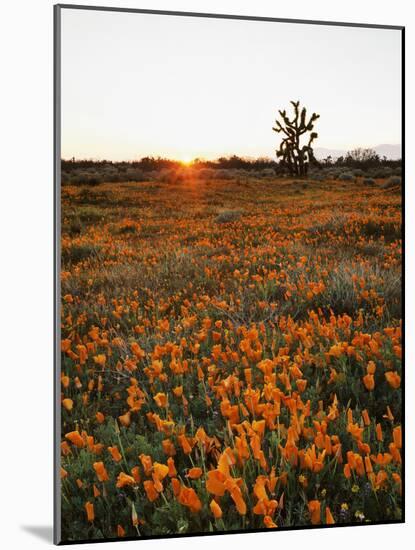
{"points": [[26, 304]]}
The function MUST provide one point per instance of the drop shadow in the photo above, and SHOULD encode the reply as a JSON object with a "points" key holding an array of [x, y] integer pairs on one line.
{"points": [[43, 532]]}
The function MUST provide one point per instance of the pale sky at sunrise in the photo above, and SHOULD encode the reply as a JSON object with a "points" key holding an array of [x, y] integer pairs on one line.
{"points": [[182, 87]]}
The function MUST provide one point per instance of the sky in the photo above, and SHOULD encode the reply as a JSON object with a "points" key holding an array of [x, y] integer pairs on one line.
{"points": [[136, 85]]}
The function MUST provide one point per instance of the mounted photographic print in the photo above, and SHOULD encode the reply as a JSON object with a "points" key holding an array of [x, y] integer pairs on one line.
{"points": [[228, 274]]}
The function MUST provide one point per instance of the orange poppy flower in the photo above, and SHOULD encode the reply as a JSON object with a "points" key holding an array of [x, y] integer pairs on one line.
{"points": [[135, 472], [215, 483], [100, 417], [379, 434], [137, 351], [76, 439], [188, 497], [178, 391], [120, 531], [215, 509], [268, 522], [150, 490], [125, 419], [184, 443], [194, 473], [394, 451], [237, 497], [329, 517], [115, 453], [100, 470], [368, 465], [314, 510], [369, 382], [100, 359], [176, 485], [366, 418], [124, 479], [147, 463], [161, 399], [67, 404], [160, 470], [259, 488], [65, 448], [397, 436], [168, 447], [393, 379], [172, 467], [90, 514]]}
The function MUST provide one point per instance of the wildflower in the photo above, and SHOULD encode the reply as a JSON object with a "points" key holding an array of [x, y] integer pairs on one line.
{"points": [[125, 419], [172, 467], [100, 470], [215, 509], [268, 522], [314, 510], [115, 453], [397, 437], [135, 472], [90, 514], [369, 382], [100, 359], [215, 483], [67, 404], [161, 400], [124, 479], [188, 497], [147, 463], [393, 379], [150, 490], [194, 473], [329, 517], [76, 439]]}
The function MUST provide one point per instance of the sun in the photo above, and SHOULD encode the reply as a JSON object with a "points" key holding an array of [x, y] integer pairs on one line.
{"points": [[186, 159]]}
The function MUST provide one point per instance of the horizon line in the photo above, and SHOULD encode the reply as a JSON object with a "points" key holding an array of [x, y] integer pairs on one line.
{"points": [[192, 159]]}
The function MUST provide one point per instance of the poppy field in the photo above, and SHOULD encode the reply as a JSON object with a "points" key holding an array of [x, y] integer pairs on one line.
{"points": [[231, 356]]}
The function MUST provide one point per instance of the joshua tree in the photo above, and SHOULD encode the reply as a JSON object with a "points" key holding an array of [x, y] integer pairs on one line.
{"points": [[294, 157]]}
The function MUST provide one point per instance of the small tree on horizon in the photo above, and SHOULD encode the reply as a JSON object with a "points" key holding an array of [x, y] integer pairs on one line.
{"points": [[294, 157]]}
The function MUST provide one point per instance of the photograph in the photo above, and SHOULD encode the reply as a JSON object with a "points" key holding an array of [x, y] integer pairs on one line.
{"points": [[228, 270]]}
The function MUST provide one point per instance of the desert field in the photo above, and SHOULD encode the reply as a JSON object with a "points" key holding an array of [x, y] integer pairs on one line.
{"points": [[231, 355]]}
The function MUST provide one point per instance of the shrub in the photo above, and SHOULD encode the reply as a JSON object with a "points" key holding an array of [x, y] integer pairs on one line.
{"points": [[346, 176], [369, 181], [358, 172], [224, 174], [228, 216], [77, 253], [90, 214], [206, 173], [393, 181], [317, 177], [268, 173]]}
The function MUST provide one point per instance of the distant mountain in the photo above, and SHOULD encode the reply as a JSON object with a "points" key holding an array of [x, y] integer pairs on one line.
{"points": [[392, 152]]}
